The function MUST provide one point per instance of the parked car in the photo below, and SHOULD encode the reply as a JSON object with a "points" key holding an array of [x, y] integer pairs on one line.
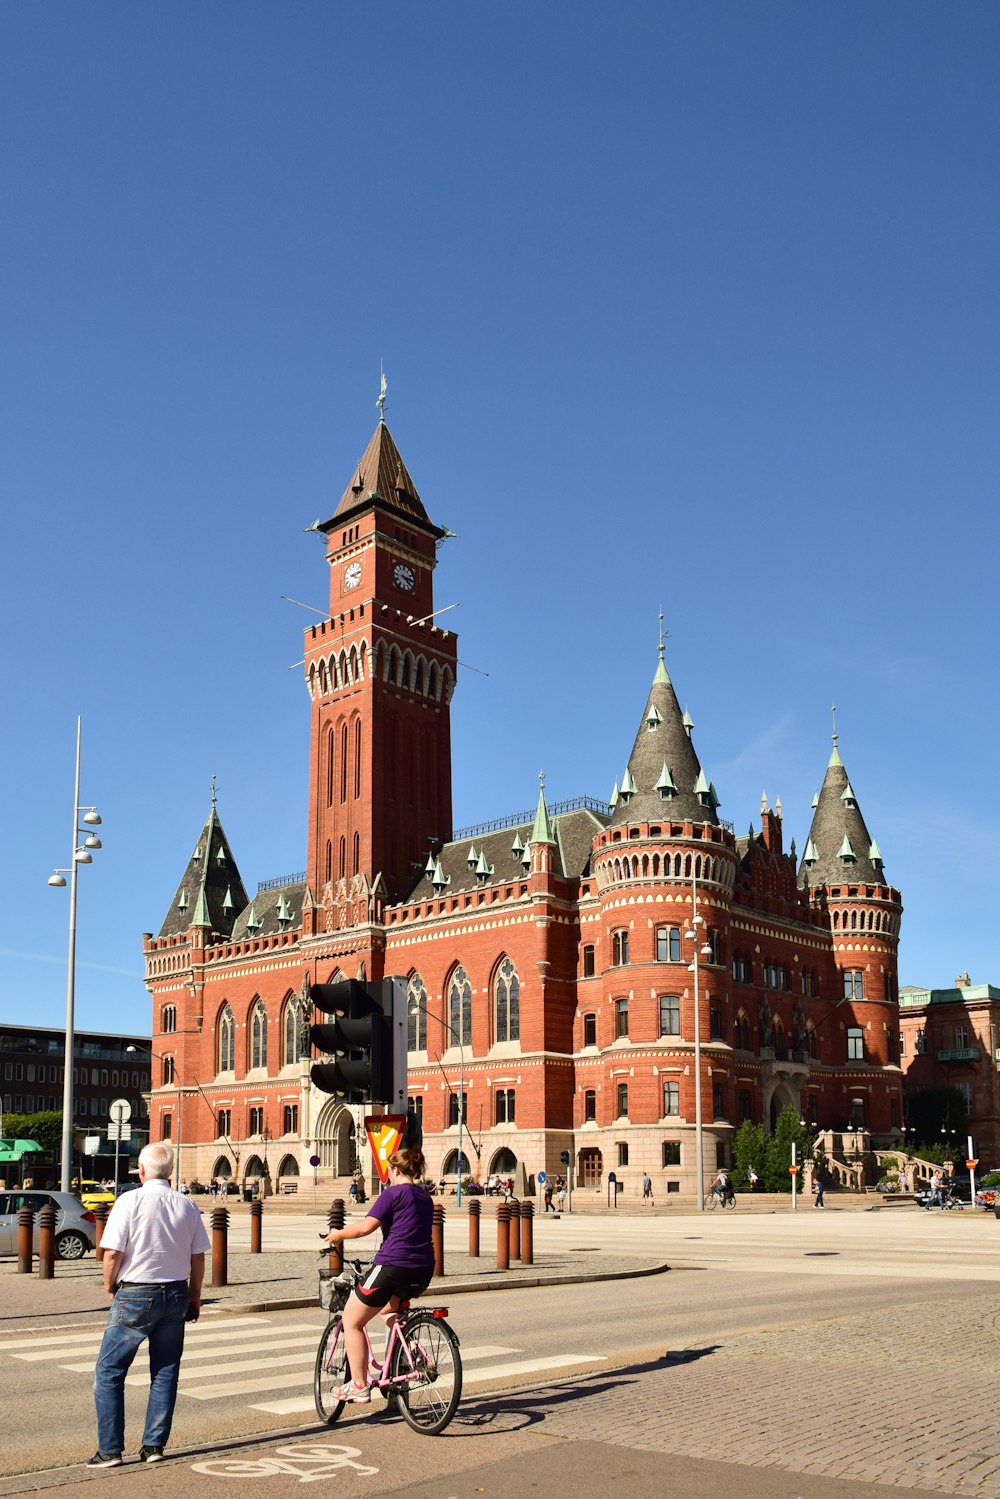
{"points": [[75, 1230]]}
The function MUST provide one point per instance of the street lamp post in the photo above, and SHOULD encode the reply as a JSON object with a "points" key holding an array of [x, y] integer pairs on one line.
{"points": [[415, 1005], [79, 854], [693, 935]]}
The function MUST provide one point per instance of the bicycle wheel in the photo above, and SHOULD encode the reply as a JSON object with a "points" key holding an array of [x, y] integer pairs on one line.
{"points": [[429, 1391], [731, 1200], [332, 1370], [711, 1201]]}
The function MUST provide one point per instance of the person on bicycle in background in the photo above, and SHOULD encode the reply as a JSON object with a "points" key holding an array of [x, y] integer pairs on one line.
{"points": [[721, 1187], [402, 1264]]}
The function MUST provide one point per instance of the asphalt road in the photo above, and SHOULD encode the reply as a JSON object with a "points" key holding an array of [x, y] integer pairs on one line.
{"points": [[818, 1306]]}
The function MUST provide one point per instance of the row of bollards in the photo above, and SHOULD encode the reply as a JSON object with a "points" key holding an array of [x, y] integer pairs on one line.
{"points": [[515, 1234], [46, 1241]]}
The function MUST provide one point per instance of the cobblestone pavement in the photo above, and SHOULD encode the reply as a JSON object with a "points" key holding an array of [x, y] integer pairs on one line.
{"points": [[894, 1397]]}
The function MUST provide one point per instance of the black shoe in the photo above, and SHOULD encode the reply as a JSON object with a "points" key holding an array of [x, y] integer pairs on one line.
{"points": [[150, 1454], [105, 1460]]}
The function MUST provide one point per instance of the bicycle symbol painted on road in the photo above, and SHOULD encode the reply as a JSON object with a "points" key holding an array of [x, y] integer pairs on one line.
{"points": [[307, 1461]]}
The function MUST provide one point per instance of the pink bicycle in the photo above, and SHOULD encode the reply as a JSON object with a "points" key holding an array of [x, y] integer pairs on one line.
{"points": [[421, 1370]]}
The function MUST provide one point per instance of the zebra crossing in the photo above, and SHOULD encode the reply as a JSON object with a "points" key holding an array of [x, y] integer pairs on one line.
{"points": [[267, 1361]]}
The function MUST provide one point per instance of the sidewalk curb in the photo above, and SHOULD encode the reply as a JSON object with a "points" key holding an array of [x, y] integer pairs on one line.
{"points": [[453, 1288]]}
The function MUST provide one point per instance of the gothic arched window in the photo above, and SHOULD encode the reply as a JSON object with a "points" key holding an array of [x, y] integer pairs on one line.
{"points": [[506, 998], [295, 1043], [227, 1041], [416, 1014], [460, 1007], [258, 1036]]}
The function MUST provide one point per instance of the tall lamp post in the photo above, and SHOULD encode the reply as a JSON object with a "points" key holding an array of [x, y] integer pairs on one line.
{"points": [[693, 934], [80, 854], [415, 1007]]}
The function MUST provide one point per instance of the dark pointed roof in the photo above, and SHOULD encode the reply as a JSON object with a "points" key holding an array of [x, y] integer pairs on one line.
{"points": [[211, 892], [663, 740], [839, 848], [499, 854], [382, 476]]}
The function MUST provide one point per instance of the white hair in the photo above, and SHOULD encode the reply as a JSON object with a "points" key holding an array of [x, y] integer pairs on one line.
{"points": [[157, 1159]]}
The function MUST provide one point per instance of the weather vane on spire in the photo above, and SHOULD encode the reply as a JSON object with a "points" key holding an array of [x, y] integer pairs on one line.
{"points": [[664, 635], [833, 710], [214, 792], [380, 403]]}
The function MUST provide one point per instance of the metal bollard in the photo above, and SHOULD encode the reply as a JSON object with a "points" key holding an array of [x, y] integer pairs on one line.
{"points": [[47, 1242], [335, 1219], [503, 1237], [220, 1247], [474, 1211], [527, 1233], [515, 1228], [100, 1218], [25, 1241], [256, 1220], [437, 1239]]}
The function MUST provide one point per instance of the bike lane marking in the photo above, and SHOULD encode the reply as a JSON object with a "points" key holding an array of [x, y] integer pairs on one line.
{"points": [[307, 1461]]}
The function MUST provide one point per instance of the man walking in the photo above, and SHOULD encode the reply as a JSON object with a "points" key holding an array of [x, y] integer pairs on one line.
{"points": [[154, 1246]]}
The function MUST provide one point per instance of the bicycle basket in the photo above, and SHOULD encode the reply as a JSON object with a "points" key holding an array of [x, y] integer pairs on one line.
{"points": [[333, 1291]]}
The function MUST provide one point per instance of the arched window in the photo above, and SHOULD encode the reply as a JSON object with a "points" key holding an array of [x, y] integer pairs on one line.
{"points": [[329, 767], [356, 860], [416, 1014], [357, 758], [227, 1041], [343, 857], [258, 1036], [295, 1043], [343, 762], [460, 1006], [329, 861], [506, 1001]]}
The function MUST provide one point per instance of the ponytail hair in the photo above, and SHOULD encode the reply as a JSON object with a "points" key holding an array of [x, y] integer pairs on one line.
{"points": [[410, 1162]]}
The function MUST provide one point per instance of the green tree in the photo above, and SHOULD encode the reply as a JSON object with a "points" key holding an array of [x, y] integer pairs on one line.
{"points": [[44, 1128], [788, 1130], [749, 1149]]}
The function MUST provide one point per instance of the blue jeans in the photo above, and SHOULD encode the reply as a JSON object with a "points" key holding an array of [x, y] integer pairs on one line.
{"points": [[138, 1313]]}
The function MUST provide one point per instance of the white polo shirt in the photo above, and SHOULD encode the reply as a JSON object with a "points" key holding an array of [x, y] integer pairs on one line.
{"points": [[156, 1231]]}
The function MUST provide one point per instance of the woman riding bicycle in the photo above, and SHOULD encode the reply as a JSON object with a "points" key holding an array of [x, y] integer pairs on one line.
{"points": [[402, 1264]]}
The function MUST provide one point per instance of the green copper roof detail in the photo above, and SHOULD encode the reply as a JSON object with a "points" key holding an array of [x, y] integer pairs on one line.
{"points": [[471, 856], [440, 879], [847, 795], [482, 868], [182, 904], [665, 785], [526, 857], [253, 920], [517, 847], [653, 717], [845, 851], [227, 903], [201, 916], [688, 722], [702, 786], [713, 794], [874, 852], [613, 800], [541, 832], [284, 911], [660, 675], [815, 801], [810, 854], [429, 866], [628, 784]]}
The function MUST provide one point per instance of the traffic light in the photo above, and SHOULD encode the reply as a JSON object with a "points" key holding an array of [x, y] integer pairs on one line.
{"points": [[358, 1039], [564, 1157]]}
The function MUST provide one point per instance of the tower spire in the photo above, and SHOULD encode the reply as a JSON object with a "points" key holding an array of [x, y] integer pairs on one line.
{"points": [[382, 388]]}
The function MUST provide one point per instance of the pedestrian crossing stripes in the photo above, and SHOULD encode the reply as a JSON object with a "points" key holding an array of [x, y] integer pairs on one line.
{"points": [[260, 1357]]}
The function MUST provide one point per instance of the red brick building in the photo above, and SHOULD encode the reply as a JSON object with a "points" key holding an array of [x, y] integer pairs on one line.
{"points": [[550, 953], [951, 1039]]}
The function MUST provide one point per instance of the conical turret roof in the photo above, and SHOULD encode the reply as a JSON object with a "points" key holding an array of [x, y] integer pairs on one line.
{"points": [[382, 476], [663, 744], [211, 892], [839, 847]]}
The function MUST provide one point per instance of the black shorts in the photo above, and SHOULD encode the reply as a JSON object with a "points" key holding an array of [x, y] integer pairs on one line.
{"points": [[385, 1281]]}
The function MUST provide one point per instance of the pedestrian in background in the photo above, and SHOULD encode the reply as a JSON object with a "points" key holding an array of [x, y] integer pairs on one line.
{"points": [[818, 1187], [154, 1246], [647, 1188]]}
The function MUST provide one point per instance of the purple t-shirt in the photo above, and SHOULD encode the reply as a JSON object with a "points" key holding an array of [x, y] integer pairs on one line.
{"points": [[405, 1213]]}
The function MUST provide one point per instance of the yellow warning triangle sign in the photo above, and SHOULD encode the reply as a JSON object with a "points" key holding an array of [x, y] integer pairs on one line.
{"points": [[384, 1131]]}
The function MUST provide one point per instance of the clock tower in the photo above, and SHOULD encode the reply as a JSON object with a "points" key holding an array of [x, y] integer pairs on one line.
{"points": [[380, 675]]}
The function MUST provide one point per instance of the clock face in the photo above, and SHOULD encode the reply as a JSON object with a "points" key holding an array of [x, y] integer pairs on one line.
{"points": [[352, 577], [403, 576]]}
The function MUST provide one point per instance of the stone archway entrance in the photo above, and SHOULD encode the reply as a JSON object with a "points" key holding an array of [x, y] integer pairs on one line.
{"points": [[784, 1093], [335, 1139]]}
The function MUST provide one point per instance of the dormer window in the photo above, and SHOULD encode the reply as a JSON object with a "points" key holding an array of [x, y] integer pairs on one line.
{"points": [[471, 856], [703, 789], [665, 785], [653, 718], [845, 851], [628, 787]]}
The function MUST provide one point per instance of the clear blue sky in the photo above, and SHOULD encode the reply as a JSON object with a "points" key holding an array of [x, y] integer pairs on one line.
{"points": [[681, 305]]}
